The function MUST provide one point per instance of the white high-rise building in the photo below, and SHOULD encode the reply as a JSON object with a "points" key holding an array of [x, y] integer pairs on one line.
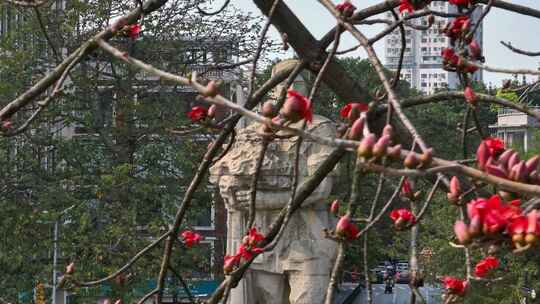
{"points": [[422, 64]]}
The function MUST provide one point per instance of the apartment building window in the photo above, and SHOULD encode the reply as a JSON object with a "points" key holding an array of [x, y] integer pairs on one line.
{"points": [[423, 85]]}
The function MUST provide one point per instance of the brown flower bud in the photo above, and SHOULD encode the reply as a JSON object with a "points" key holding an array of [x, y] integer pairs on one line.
{"points": [[365, 149], [411, 160], [268, 109], [426, 157], [394, 152]]}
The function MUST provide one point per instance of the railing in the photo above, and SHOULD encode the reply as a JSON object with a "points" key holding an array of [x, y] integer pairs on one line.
{"points": [[506, 111]]}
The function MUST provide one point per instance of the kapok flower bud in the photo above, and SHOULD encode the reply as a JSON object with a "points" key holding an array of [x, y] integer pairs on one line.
{"points": [[212, 88], [462, 232], [296, 107], [365, 149], [496, 170], [470, 96], [505, 156], [119, 301], [455, 186], [455, 190], [426, 157], [70, 269], [211, 111], [475, 226], [474, 50], [394, 152], [268, 109], [518, 172], [411, 160], [482, 155], [357, 129], [6, 125], [346, 229], [334, 208], [532, 164], [513, 160], [379, 149], [388, 130]]}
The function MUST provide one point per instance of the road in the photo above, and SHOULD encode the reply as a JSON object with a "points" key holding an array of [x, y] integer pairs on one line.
{"points": [[400, 295]]}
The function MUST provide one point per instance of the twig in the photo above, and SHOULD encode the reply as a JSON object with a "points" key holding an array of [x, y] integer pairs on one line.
{"points": [[519, 51]]}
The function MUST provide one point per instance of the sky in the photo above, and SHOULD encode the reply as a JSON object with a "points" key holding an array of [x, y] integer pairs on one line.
{"points": [[522, 31]]}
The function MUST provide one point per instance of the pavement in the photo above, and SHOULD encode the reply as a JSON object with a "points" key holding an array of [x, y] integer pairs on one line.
{"points": [[401, 294]]}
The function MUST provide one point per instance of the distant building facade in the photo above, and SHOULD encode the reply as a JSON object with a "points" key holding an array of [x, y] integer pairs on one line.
{"points": [[422, 63]]}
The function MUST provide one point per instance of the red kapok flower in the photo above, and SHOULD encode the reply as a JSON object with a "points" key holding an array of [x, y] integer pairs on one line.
{"points": [[191, 238], [346, 8], [486, 265], [470, 96], [297, 107], [253, 238], [406, 6], [133, 30], [334, 208], [406, 188], [495, 145], [449, 56], [402, 218], [345, 228], [352, 110], [460, 2], [454, 285], [197, 113]]}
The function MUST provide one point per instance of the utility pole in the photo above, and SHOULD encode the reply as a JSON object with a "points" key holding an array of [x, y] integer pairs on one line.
{"points": [[55, 260]]}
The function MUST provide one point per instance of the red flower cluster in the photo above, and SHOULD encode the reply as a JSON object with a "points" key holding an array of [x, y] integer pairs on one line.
{"points": [[197, 113], [352, 110], [495, 160], [409, 6], [486, 265], [296, 107], [492, 219], [460, 2], [402, 218], [346, 8], [459, 29], [191, 238], [455, 286], [405, 6], [133, 31], [246, 251], [346, 229], [525, 229]]}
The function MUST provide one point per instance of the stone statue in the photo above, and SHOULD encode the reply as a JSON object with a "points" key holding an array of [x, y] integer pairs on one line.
{"points": [[298, 269]]}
